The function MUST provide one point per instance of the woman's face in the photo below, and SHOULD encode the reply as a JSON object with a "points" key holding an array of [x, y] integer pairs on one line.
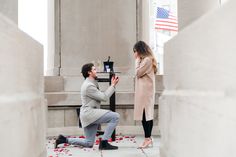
{"points": [[136, 55]]}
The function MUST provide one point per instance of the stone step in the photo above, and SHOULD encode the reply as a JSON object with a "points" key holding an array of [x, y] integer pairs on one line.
{"points": [[73, 83], [73, 98]]}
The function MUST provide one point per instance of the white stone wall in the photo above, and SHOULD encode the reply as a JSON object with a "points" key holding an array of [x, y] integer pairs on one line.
{"points": [[93, 30], [22, 108], [197, 108]]}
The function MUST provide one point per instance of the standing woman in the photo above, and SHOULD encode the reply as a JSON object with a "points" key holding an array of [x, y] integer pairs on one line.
{"points": [[145, 70]]}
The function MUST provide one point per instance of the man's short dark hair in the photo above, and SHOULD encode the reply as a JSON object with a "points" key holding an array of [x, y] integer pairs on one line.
{"points": [[86, 68]]}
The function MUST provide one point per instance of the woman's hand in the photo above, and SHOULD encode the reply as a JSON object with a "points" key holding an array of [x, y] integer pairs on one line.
{"points": [[137, 62]]}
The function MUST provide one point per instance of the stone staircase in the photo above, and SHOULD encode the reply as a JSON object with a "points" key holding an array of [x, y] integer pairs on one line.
{"points": [[63, 98]]}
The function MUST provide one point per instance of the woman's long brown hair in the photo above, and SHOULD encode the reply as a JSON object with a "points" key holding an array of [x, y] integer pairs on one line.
{"points": [[145, 51]]}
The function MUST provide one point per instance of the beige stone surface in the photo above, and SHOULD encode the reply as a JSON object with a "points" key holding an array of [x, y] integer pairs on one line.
{"points": [[53, 84], [126, 117], [87, 37], [71, 118], [10, 9], [56, 118], [73, 98], [22, 108], [197, 107], [189, 11]]}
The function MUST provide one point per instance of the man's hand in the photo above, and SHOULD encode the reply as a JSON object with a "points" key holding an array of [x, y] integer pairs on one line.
{"points": [[114, 80]]}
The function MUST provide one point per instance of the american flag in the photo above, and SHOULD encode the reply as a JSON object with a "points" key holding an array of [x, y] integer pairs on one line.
{"points": [[165, 20]]}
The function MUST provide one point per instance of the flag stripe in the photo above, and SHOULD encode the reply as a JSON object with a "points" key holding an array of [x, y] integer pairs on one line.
{"points": [[163, 21], [168, 29], [163, 25]]}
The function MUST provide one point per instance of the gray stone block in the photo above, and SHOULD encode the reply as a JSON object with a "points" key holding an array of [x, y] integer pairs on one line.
{"points": [[53, 84], [73, 83], [71, 118], [126, 117], [63, 98], [56, 118]]}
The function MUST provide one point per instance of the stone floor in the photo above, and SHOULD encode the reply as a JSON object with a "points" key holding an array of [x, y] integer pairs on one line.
{"points": [[127, 148]]}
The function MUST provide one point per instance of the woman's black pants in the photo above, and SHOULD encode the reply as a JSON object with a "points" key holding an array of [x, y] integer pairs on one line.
{"points": [[147, 126]]}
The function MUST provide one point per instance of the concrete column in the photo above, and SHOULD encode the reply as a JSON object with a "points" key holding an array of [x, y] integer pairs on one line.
{"points": [[53, 58], [197, 107], [190, 10], [10, 9], [22, 108], [143, 20]]}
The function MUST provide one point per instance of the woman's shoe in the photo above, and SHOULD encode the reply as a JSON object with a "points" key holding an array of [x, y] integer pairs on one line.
{"points": [[148, 142]]}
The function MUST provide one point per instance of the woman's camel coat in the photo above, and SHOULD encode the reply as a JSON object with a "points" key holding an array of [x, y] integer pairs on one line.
{"points": [[144, 89]]}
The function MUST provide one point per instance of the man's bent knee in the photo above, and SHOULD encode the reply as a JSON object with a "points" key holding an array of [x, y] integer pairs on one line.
{"points": [[116, 116]]}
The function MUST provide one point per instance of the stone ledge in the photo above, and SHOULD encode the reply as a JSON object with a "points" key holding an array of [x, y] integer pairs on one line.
{"points": [[73, 98], [73, 83]]}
